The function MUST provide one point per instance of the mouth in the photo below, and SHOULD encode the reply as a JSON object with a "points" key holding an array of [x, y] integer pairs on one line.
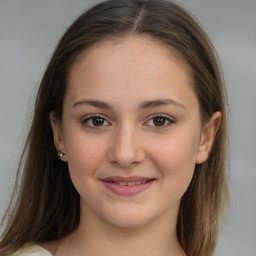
{"points": [[127, 185], [131, 183], [128, 181]]}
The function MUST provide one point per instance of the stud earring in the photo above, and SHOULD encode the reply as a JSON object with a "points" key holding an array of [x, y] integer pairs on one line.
{"points": [[60, 154]]}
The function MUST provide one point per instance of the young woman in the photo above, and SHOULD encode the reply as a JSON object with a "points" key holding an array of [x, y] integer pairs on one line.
{"points": [[126, 151]]}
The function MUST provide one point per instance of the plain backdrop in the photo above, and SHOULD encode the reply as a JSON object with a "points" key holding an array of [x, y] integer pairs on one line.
{"points": [[29, 31]]}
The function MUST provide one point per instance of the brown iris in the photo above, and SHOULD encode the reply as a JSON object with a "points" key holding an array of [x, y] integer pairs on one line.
{"points": [[159, 121], [97, 121]]}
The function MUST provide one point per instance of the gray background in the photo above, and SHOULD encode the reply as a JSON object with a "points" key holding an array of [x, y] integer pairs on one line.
{"points": [[29, 30]]}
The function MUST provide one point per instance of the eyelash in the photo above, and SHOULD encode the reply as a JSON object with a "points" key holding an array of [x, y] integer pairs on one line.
{"points": [[90, 119], [161, 116], [152, 118]]}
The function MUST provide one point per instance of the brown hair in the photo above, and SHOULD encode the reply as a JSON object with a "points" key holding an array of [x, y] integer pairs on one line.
{"points": [[41, 211]]}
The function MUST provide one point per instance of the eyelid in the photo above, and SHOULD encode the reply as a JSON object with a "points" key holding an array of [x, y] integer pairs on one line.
{"points": [[167, 117], [88, 117]]}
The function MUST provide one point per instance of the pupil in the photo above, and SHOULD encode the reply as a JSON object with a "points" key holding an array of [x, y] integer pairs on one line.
{"points": [[158, 121], [97, 121]]}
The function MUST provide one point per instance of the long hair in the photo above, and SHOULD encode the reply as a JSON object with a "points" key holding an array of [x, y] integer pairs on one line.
{"points": [[45, 205]]}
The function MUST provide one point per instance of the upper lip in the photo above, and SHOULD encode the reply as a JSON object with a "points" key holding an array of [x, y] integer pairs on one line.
{"points": [[126, 179]]}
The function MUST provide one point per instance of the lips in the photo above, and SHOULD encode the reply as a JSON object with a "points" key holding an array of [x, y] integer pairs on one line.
{"points": [[131, 183], [127, 185]]}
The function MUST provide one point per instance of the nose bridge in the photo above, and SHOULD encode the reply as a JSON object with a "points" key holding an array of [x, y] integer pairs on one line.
{"points": [[127, 149]]}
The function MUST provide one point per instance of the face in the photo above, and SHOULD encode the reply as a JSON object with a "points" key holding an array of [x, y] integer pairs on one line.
{"points": [[131, 131]]}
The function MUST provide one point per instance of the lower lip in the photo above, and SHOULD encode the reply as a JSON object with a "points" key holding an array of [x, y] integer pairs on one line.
{"points": [[127, 190]]}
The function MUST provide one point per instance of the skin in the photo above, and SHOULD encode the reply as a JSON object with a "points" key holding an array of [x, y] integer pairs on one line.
{"points": [[129, 140]]}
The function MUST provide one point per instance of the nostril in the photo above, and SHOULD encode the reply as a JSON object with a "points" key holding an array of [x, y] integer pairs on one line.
{"points": [[125, 164]]}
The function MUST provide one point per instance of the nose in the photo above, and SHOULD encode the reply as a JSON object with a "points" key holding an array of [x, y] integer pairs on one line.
{"points": [[127, 150]]}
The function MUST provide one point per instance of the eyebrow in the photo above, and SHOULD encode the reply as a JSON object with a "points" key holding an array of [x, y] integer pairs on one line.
{"points": [[160, 102], [143, 105], [94, 103]]}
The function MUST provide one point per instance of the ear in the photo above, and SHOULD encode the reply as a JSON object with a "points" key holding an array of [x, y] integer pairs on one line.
{"points": [[207, 137], [58, 135]]}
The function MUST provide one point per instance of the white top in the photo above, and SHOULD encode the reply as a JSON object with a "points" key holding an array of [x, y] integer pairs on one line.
{"points": [[32, 250]]}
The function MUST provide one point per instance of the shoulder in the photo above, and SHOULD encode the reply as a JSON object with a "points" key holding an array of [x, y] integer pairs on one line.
{"points": [[32, 250]]}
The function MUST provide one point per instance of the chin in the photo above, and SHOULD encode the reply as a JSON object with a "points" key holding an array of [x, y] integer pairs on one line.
{"points": [[127, 222], [128, 218]]}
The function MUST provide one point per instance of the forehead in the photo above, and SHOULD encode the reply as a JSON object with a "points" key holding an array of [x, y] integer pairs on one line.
{"points": [[137, 65], [130, 45]]}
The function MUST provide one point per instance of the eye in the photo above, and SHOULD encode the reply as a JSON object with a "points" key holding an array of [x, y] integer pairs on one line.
{"points": [[160, 121], [95, 121]]}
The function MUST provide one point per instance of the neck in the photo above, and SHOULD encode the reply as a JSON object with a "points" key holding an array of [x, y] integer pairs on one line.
{"points": [[94, 236]]}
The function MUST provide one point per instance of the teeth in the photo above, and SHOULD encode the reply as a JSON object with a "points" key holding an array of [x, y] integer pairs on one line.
{"points": [[132, 183]]}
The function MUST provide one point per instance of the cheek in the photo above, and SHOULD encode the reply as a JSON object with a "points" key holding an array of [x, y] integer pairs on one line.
{"points": [[84, 154], [175, 158], [176, 150]]}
